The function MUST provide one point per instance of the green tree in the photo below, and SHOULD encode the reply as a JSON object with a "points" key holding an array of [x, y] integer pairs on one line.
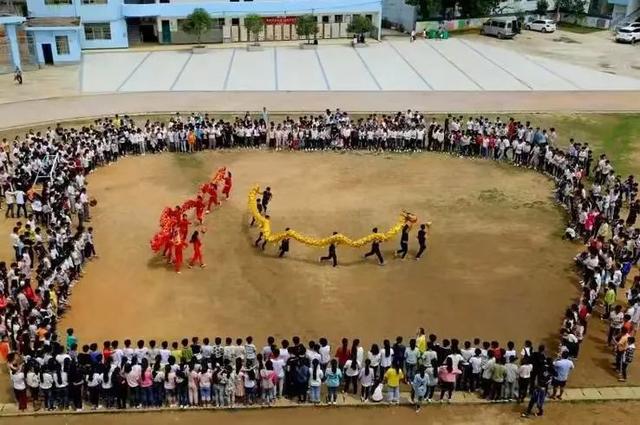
{"points": [[477, 8], [306, 26], [254, 25], [359, 25], [542, 6], [426, 8], [573, 7], [197, 23]]}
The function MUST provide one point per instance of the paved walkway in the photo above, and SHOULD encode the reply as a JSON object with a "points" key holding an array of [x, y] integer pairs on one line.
{"points": [[44, 111], [571, 395], [458, 64]]}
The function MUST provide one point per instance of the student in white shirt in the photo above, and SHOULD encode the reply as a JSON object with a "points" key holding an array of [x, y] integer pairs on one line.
{"points": [[351, 372], [366, 378], [315, 381], [46, 387]]}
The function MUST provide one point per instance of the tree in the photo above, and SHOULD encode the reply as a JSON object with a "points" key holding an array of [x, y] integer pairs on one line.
{"points": [[197, 23], [254, 25], [306, 26], [360, 24], [572, 7], [542, 6], [426, 8], [477, 8]]}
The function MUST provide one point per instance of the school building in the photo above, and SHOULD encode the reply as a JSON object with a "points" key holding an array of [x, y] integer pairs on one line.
{"points": [[58, 30]]}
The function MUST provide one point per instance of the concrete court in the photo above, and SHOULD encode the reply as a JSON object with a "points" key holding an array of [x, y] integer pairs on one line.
{"points": [[426, 65]]}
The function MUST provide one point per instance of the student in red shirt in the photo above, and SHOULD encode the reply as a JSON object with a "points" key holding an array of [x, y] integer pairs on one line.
{"points": [[106, 351], [343, 353], [197, 250]]}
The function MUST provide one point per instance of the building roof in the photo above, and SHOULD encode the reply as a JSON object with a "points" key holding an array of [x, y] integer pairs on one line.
{"points": [[52, 22]]}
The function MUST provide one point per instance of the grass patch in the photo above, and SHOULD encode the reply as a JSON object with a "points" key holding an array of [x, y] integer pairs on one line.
{"points": [[578, 29]]}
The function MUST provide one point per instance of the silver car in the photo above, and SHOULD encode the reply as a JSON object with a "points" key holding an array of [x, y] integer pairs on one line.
{"points": [[500, 27]]}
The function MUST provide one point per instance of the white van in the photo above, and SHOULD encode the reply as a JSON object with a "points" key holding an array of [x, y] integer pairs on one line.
{"points": [[504, 27]]}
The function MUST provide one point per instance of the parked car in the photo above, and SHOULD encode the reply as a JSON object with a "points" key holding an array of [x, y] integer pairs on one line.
{"points": [[628, 24], [506, 27], [629, 34], [542, 25]]}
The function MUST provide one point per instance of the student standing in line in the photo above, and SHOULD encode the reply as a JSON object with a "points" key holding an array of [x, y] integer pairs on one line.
{"points": [[315, 381], [447, 375], [333, 376], [419, 387], [392, 377], [627, 358]]}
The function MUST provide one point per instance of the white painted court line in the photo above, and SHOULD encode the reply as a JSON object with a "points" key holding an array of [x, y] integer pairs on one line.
{"points": [[158, 72], [525, 68], [497, 62], [589, 79], [299, 70], [252, 71], [482, 71], [205, 71], [344, 69], [441, 73], [391, 70], [105, 72]]}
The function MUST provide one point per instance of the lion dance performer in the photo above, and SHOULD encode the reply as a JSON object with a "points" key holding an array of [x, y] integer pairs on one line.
{"points": [[228, 183], [178, 246], [197, 250]]}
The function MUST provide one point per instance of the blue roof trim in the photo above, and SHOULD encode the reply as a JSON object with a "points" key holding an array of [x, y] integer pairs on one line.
{"points": [[282, 7]]}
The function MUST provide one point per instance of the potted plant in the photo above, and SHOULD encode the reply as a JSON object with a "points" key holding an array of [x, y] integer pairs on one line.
{"points": [[359, 26], [196, 24], [307, 26], [254, 25]]}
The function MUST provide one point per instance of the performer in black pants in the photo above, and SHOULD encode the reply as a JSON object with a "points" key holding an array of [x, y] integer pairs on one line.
{"points": [[332, 254], [264, 241], [266, 198], [404, 242], [422, 240], [259, 206], [375, 249], [284, 245]]}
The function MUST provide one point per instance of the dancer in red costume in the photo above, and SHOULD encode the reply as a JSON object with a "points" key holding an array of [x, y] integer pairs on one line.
{"points": [[197, 250], [213, 197], [183, 227], [199, 209], [178, 246], [226, 190], [167, 247]]}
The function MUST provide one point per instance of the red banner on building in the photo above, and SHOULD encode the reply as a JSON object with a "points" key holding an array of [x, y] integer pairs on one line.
{"points": [[280, 20]]}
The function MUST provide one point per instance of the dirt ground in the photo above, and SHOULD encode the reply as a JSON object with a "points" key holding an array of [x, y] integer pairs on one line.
{"points": [[595, 50], [496, 267], [565, 413], [480, 264]]}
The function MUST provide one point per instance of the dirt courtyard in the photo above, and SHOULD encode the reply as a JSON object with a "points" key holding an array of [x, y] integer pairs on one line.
{"points": [[494, 254]]}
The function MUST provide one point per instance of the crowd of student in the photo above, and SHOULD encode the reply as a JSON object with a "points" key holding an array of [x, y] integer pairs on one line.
{"points": [[195, 373], [53, 236]]}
